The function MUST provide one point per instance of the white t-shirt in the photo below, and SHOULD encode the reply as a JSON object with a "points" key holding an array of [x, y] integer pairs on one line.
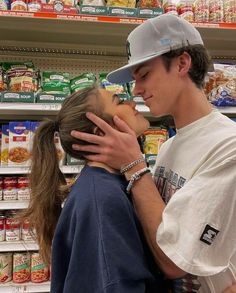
{"points": [[198, 230]]}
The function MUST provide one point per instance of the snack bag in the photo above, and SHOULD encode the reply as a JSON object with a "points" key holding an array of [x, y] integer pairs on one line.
{"points": [[223, 82], [20, 76], [149, 4], [56, 83], [82, 81]]}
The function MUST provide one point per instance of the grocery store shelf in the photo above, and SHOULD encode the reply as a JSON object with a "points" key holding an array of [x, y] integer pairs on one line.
{"points": [[227, 110], [49, 33], [18, 246], [20, 110], [71, 169], [25, 170], [13, 204], [46, 110], [25, 288], [13, 170]]}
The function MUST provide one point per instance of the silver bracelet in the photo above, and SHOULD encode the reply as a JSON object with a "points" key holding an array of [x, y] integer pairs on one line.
{"points": [[131, 165], [136, 176]]}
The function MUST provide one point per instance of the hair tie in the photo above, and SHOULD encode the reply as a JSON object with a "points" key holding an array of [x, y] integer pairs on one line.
{"points": [[56, 126]]}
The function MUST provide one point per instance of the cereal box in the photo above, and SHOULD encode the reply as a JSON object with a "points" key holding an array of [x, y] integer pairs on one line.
{"points": [[19, 143]]}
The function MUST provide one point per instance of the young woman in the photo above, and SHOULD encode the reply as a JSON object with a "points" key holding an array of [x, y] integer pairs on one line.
{"points": [[95, 240]]}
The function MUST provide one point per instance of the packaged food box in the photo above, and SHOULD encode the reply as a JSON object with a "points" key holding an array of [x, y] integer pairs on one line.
{"points": [[5, 144], [19, 143]]}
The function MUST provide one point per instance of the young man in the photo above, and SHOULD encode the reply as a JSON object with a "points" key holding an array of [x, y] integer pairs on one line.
{"points": [[189, 213]]}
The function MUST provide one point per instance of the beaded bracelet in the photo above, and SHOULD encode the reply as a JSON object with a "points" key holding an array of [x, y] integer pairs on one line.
{"points": [[136, 176], [131, 165]]}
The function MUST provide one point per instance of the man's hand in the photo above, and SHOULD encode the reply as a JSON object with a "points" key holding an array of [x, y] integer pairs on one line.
{"points": [[115, 148], [231, 289]]}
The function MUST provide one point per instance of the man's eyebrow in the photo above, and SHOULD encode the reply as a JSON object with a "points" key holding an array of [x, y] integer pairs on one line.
{"points": [[137, 70]]}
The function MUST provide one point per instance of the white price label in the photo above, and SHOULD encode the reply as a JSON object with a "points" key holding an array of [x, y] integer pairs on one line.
{"points": [[18, 289], [50, 107]]}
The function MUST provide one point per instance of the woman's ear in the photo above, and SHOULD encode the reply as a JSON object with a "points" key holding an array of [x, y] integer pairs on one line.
{"points": [[98, 131]]}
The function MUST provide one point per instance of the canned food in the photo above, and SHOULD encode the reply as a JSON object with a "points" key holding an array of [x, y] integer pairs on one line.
{"points": [[10, 188], [23, 192], [26, 232], [21, 267], [12, 228], [2, 227], [5, 267], [39, 271]]}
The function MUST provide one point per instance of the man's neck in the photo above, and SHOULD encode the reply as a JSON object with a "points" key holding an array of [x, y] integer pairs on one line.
{"points": [[193, 105]]}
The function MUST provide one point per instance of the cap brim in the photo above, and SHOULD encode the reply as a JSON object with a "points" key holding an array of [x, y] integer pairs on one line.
{"points": [[125, 74]]}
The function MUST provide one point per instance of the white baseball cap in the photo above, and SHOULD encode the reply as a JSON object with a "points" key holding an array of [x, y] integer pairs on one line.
{"points": [[153, 38]]}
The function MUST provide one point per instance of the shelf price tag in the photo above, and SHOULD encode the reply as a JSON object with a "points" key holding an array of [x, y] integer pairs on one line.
{"points": [[19, 289], [50, 107]]}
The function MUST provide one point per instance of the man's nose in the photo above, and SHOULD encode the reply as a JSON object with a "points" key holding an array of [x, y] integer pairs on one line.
{"points": [[138, 90]]}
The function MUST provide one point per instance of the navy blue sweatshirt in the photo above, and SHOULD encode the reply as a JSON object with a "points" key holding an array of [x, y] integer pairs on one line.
{"points": [[98, 246]]}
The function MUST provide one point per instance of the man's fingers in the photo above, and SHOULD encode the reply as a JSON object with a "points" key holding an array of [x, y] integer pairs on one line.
{"points": [[91, 138], [122, 126], [105, 127], [86, 148]]}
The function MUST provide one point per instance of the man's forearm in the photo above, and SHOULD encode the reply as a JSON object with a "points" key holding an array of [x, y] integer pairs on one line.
{"points": [[149, 207]]}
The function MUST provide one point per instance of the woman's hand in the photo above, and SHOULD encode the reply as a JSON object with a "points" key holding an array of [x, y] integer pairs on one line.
{"points": [[231, 289], [116, 148]]}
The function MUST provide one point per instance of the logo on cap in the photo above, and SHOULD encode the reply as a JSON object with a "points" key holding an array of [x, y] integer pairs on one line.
{"points": [[128, 49]]}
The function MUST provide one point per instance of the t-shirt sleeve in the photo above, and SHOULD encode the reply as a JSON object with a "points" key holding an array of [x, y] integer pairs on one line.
{"points": [[198, 226]]}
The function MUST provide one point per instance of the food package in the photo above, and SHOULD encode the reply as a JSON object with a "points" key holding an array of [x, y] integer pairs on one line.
{"points": [[149, 4], [121, 3], [230, 11], [201, 10], [222, 90], [216, 11], [56, 83], [64, 2], [20, 76], [185, 10], [93, 2], [82, 81], [4, 4], [170, 7], [154, 138]]}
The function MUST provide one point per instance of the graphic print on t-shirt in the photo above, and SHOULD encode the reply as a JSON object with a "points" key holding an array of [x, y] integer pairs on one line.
{"points": [[168, 182]]}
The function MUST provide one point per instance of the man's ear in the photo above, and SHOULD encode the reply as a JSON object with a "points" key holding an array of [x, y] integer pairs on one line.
{"points": [[184, 63], [98, 131]]}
